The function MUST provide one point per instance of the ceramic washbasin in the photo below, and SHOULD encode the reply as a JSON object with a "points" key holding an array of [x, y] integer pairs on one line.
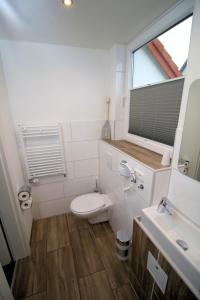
{"points": [[167, 229]]}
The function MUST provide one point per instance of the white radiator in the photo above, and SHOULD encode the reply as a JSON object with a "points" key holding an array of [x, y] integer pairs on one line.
{"points": [[42, 150]]}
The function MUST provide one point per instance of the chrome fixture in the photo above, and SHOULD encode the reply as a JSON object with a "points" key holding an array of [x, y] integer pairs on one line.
{"points": [[141, 186], [182, 244], [127, 171], [165, 206]]}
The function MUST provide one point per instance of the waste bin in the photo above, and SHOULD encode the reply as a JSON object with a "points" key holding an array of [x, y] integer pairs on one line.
{"points": [[123, 243]]}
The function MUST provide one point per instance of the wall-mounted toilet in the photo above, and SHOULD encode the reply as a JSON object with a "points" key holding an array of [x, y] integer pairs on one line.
{"points": [[94, 206]]}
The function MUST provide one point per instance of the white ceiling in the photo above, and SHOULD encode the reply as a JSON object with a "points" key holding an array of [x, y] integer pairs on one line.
{"points": [[90, 23]]}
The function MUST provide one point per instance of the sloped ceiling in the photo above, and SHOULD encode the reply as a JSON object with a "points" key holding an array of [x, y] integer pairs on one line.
{"points": [[89, 23]]}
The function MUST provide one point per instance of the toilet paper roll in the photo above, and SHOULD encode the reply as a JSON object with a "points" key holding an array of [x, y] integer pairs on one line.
{"points": [[26, 204], [24, 193]]}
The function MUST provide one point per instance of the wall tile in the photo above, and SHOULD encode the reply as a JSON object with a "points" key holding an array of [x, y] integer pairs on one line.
{"points": [[68, 201], [84, 168], [79, 186], [35, 211], [86, 130], [119, 130], [66, 129], [48, 192], [70, 170], [52, 208], [81, 150]]}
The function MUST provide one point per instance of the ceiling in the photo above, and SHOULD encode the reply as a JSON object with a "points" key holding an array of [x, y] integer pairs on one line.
{"points": [[89, 23]]}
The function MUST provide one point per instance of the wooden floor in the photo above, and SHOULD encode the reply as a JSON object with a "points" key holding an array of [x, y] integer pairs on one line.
{"points": [[71, 259]]}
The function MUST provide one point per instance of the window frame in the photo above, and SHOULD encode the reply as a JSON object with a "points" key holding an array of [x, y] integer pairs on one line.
{"points": [[172, 18]]}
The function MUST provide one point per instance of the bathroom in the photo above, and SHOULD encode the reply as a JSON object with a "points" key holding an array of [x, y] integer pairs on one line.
{"points": [[111, 214]]}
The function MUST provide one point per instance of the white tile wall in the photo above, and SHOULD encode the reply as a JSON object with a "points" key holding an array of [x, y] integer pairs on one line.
{"points": [[46, 192], [35, 211], [70, 170], [66, 128], [84, 168], [53, 195], [79, 186], [81, 150], [53, 208], [90, 130]]}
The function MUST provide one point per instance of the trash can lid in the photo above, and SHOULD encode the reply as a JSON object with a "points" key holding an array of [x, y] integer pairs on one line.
{"points": [[123, 236]]}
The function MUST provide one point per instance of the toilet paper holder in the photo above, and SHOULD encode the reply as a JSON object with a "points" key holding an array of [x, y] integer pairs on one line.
{"points": [[25, 197]]}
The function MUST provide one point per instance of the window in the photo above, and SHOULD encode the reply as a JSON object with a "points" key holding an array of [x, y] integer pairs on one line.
{"points": [[158, 76], [154, 111], [163, 58]]}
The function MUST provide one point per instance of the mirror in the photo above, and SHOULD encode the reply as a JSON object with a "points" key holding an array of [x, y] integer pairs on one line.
{"points": [[189, 158]]}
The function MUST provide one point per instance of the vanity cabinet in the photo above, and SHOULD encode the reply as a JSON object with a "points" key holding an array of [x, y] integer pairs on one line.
{"points": [[141, 279]]}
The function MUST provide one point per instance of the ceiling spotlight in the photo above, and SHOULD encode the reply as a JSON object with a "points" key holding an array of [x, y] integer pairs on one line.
{"points": [[68, 2]]}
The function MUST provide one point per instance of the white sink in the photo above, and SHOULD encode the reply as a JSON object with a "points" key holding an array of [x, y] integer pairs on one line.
{"points": [[166, 230]]}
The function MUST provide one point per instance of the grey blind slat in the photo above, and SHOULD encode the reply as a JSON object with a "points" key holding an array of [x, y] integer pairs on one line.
{"points": [[154, 111]]}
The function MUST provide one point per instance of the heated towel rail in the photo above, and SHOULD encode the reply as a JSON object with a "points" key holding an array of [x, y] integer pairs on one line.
{"points": [[42, 150]]}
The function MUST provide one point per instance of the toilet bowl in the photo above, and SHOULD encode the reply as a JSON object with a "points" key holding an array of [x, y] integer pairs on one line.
{"points": [[94, 206]]}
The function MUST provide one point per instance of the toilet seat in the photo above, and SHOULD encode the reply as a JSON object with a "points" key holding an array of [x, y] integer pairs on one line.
{"points": [[95, 207], [88, 203]]}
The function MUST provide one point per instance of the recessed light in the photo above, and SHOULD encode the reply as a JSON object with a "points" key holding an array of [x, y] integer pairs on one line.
{"points": [[68, 2]]}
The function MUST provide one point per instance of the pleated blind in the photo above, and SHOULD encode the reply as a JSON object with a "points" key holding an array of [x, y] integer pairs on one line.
{"points": [[154, 111]]}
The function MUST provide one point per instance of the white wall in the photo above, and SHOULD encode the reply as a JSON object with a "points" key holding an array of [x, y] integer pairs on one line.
{"points": [[117, 85], [52, 83], [184, 191], [10, 161], [190, 144]]}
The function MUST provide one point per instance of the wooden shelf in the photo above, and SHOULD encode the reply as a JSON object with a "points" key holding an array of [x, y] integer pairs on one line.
{"points": [[149, 158]]}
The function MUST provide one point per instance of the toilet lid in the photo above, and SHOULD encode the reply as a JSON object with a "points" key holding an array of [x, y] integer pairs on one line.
{"points": [[88, 203]]}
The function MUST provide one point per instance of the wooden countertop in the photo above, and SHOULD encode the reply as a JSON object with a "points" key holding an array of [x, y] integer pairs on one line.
{"points": [[145, 156]]}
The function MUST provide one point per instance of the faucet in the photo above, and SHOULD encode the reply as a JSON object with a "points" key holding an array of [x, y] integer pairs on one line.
{"points": [[165, 206]]}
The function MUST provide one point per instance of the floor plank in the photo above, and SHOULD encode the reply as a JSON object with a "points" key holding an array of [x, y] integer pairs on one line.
{"points": [[71, 259], [125, 292], [62, 231], [58, 235], [75, 223], [86, 256], [39, 230], [42, 296], [31, 272], [106, 245], [117, 271], [101, 229], [95, 287], [61, 278]]}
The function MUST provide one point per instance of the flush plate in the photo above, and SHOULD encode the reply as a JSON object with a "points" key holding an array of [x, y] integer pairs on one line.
{"points": [[157, 272]]}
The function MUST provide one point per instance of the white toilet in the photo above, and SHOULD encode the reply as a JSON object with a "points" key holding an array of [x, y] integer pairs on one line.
{"points": [[94, 206]]}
